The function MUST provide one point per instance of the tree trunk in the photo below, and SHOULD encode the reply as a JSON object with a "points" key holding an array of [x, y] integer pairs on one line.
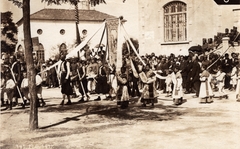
{"points": [[31, 73]]}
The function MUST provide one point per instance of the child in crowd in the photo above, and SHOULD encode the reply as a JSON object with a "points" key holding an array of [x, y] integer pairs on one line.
{"points": [[9, 89], [24, 88], [122, 91], [233, 81], [168, 82], [91, 80], [2, 89], [206, 92], [39, 90], [220, 76], [177, 93], [238, 84]]}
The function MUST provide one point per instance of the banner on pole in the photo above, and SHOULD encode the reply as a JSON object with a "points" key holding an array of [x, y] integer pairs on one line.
{"points": [[112, 27]]}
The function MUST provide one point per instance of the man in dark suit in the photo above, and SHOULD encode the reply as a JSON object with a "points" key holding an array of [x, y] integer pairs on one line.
{"points": [[227, 68], [194, 74]]}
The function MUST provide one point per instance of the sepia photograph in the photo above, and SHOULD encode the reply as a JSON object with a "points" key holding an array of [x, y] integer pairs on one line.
{"points": [[120, 74]]}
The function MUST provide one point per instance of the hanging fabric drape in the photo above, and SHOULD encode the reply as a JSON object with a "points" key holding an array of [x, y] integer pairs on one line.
{"points": [[83, 43], [100, 43], [78, 48]]}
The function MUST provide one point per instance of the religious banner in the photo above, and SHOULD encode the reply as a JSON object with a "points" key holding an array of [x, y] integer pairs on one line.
{"points": [[112, 30]]}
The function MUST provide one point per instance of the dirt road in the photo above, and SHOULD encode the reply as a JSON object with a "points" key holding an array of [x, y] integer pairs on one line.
{"points": [[102, 125]]}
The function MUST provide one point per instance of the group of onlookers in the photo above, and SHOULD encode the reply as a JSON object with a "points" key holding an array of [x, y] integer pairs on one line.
{"points": [[203, 74]]}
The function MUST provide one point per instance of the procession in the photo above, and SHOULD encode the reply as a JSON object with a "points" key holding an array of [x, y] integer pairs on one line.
{"points": [[131, 74], [80, 77]]}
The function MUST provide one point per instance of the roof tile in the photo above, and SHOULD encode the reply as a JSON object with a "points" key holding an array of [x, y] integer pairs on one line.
{"points": [[69, 14]]}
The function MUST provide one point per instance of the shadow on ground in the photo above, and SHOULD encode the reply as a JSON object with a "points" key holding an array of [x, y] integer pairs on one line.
{"points": [[109, 110]]}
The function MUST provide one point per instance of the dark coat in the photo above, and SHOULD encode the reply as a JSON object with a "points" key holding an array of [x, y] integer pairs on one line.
{"points": [[195, 71], [226, 65]]}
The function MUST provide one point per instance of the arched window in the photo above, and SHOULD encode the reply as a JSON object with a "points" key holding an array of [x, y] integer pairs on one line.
{"points": [[20, 48], [62, 47], [40, 52], [175, 20]]}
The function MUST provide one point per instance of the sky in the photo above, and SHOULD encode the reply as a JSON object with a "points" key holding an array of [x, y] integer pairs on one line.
{"points": [[129, 10]]}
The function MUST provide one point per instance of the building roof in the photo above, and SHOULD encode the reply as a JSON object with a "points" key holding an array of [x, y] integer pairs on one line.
{"points": [[68, 15]]}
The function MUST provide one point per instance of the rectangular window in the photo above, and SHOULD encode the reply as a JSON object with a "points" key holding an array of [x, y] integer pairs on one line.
{"points": [[175, 22], [40, 55]]}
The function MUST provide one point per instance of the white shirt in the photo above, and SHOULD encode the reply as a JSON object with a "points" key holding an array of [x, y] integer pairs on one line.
{"points": [[38, 80], [24, 83], [10, 84]]}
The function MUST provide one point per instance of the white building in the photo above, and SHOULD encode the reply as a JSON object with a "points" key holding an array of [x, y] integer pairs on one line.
{"points": [[53, 30], [172, 26]]}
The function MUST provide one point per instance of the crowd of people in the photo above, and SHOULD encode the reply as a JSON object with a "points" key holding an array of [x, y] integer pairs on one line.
{"points": [[206, 75]]}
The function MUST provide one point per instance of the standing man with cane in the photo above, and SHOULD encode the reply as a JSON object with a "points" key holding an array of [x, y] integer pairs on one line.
{"points": [[82, 82]]}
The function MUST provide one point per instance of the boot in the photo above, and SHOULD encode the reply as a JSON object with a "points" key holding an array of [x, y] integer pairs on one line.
{"points": [[2, 102], [98, 99], [43, 102], [10, 105], [62, 103], [82, 99], [14, 104], [16, 100], [176, 101], [23, 104], [88, 98], [69, 102], [209, 100], [38, 103], [7, 105]]}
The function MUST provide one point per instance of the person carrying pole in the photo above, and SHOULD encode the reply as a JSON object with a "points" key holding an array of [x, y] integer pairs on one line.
{"points": [[82, 82]]}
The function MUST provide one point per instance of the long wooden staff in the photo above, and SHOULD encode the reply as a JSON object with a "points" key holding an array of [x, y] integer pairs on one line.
{"points": [[58, 77], [218, 58], [81, 83], [14, 79]]}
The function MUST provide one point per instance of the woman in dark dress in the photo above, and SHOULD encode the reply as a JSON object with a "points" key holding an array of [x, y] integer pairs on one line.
{"points": [[102, 86]]}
